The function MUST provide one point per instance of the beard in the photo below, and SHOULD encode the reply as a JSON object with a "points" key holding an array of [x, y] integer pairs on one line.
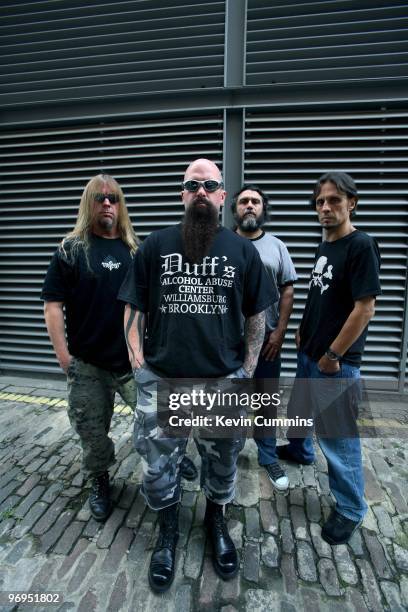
{"points": [[199, 227], [105, 223], [250, 223]]}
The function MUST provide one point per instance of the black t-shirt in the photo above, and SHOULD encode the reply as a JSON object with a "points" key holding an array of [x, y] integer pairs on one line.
{"points": [[94, 317], [345, 270], [194, 310]]}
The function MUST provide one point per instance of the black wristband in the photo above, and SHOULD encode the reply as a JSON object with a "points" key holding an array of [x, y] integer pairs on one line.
{"points": [[330, 354]]}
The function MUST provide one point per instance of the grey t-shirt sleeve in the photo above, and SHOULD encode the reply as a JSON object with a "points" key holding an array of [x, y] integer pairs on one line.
{"points": [[259, 293], [286, 273]]}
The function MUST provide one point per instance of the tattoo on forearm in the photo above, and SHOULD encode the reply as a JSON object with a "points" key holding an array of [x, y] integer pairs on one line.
{"points": [[254, 336], [140, 323], [129, 323], [134, 334]]}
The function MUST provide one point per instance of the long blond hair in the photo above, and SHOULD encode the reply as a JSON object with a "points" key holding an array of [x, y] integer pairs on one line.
{"points": [[79, 237]]}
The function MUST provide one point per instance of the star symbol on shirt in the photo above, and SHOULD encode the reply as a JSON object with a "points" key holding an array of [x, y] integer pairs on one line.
{"points": [[163, 309]]}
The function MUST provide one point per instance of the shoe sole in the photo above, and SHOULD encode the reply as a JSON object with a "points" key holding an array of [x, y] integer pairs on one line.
{"points": [[279, 490], [332, 542]]}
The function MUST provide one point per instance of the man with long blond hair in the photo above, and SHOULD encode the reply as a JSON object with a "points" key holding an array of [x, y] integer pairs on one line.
{"points": [[83, 279]]}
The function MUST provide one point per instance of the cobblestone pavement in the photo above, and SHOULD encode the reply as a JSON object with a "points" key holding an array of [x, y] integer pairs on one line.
{"points": [[49, 542]]}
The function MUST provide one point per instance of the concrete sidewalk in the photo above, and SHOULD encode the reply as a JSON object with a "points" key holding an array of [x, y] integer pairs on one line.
{"points": [[50, 544]]}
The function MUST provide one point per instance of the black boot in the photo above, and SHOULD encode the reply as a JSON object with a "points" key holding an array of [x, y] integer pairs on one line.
{"points": [[161, 570], [225, 557], [99, 499]]}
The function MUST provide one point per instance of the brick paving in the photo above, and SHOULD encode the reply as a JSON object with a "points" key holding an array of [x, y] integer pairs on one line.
{"points": [[50, 543]]}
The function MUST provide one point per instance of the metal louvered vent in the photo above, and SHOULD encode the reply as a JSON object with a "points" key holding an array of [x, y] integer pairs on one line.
{"points": [[104, 50], [43, 175], [326, 41], [286, 154]]}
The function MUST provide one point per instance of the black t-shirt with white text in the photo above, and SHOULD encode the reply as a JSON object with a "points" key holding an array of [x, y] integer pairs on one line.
{"points": [[94, 317], [195, 310], [345, 270]]}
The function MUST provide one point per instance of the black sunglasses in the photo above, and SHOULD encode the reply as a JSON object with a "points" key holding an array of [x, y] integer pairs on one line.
{"points": [[101, 197], [209, 185]]}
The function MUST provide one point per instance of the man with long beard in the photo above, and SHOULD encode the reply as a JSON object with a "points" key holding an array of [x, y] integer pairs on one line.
{"points": [[192, 282]]}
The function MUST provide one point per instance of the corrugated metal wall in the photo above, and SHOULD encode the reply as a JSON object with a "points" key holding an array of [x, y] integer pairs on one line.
{"points": [[343, 40], [287, 153], [43, 175], [72, 71], [104, 50]]}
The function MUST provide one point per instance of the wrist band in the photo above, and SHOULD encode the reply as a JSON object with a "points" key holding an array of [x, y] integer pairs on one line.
{"points": [[330, 354]]}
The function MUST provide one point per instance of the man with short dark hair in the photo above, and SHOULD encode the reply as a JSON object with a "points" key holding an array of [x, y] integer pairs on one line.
{"points": [[193, 282], [249, 206], [331, 337]]}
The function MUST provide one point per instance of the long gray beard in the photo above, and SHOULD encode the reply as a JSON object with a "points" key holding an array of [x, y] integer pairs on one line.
{"points": [[250, 223], [199, 228]]}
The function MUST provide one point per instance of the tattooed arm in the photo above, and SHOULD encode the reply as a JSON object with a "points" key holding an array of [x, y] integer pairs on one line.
{"points": [[135, 325], [254, 336]]}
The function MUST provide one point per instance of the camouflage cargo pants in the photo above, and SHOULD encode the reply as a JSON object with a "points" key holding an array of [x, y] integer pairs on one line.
{"points": [[161, 457], [91, 395]]}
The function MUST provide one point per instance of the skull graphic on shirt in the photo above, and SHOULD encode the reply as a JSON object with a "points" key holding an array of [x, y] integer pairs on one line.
{"points": [[321, 271]]}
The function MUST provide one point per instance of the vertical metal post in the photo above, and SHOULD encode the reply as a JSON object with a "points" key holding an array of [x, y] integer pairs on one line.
{"points": [[233, 155], [234, 76], [235, 43]]}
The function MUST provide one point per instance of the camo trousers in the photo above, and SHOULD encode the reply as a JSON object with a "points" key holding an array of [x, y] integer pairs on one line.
{"points": [[91, 395], [161, 457]]}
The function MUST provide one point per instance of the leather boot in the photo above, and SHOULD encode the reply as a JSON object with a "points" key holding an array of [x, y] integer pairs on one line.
{"points": [[225, 557], [99, 499], [162, 563]]}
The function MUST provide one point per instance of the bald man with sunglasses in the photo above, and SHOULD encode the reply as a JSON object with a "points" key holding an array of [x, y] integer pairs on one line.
{"points": [[192, 338]]}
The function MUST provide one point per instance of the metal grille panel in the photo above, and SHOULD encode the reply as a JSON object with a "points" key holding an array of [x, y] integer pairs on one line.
{"points": [[286, 154], [326, 41], [105, 50], [43, 175]]}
